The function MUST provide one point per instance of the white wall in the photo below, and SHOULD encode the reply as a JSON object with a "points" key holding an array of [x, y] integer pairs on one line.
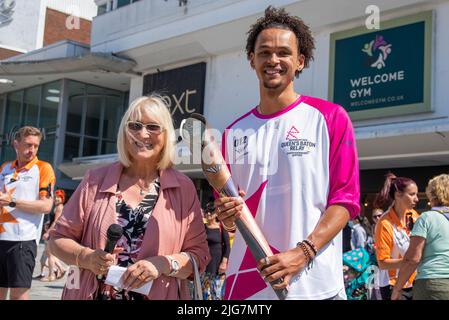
{"points": [[232, 88], [21, 32], [86, 9], [26, 30]]}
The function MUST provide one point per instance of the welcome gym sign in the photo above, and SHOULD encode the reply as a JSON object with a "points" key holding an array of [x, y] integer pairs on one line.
{"points": [[385, 72]]}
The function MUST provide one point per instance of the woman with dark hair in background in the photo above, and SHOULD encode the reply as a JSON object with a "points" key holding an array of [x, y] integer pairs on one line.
{"points": [[400, 195], [213, 280], [429, 247]]}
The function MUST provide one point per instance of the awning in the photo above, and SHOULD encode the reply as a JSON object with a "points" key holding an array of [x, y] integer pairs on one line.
{"points": [[105, 62]]}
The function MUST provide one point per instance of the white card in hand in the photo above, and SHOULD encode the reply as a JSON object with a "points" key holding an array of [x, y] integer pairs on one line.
{"points": [[114, 278]]}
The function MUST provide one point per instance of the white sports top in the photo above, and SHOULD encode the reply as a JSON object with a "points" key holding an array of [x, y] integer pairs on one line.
{"points": [[292, 164], [36, 178]]}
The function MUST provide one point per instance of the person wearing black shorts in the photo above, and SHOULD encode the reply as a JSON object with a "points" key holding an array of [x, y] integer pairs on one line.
{"points": [[26, 186], [17, 263]]}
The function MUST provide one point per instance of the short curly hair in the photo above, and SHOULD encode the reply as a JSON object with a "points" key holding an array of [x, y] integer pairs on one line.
{"points": [[281, 19], [438, 190]]}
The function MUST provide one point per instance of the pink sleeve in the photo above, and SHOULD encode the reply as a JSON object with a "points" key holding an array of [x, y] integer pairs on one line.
{"points": [[344, 185], [71, 223], [195, 241]]}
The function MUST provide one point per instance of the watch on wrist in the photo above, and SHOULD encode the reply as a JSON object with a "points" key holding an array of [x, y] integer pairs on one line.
{"points": [[174, 266], [12, 204]]}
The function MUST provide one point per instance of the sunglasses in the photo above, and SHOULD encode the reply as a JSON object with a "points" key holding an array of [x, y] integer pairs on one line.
{"points": [[377, 216], [150, 127]]}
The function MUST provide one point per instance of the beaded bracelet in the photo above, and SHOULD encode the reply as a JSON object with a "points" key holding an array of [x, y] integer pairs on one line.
{"points": [[306, 251], [311, 245]]}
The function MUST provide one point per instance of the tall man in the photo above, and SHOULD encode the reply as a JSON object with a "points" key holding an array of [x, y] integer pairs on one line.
{"points": [[26, 186], [296, 159]]}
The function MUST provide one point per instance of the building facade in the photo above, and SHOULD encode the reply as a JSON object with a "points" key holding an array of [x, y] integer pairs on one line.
{"points": [[51, 81], [398, 104]]}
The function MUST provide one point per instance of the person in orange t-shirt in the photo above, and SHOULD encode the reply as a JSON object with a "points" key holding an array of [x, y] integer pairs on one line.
{"points": [[26, 188], [392, 233]]}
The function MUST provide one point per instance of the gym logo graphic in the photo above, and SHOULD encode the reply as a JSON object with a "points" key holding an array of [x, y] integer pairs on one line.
{"points": [[6, 11], [291, 134], [378, 51]]}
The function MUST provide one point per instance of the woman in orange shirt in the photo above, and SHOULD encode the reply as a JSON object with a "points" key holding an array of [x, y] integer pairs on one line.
{"points": [[392, 234]]}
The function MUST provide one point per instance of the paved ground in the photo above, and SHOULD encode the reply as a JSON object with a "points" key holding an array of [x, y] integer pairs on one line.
{"points": [[45, 290]]}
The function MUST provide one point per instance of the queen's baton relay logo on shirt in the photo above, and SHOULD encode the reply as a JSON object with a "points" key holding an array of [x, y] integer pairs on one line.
{"points": [[291, 134], [378, 51], [296, 146]]}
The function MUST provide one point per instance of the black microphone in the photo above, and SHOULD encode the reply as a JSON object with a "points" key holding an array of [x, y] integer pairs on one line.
{"points": [[114, 233]]}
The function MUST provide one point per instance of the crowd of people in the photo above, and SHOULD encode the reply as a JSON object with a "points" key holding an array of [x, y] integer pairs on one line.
{"points": [[407, 248], [301, 206]]}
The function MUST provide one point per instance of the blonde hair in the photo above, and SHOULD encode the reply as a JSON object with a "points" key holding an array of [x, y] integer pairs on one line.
{"points": [[438, 190], [155, 107], [27, 131]]}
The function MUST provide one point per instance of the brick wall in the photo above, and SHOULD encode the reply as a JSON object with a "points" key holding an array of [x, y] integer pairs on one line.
{"points": [[6, 53], [56, 30]]}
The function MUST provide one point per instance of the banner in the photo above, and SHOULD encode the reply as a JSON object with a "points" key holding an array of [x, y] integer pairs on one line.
{"points": [[385, 72], [182, 89]]}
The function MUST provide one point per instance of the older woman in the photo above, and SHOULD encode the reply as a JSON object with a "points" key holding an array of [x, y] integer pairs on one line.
{"points": [[429, 247], [392, 232], [157, 207]]}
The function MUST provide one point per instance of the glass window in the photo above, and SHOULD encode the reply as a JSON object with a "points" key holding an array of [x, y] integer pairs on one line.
{"points": [[122, 3], [75, 110], [8, 153], [90, 147], [93, 116], [47, 149], [13, 110], [50, 105], [92, 120], [71, 147], [2, 103], [108, 147], [102, 9], [31, 106], [36, 106], [112, 116]]}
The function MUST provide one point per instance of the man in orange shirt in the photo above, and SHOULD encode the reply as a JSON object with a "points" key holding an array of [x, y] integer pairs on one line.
{"points": [[26, 186], [393, 230]]}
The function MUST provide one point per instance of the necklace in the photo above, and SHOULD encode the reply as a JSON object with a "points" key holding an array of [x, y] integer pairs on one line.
{"points": [[144, 190]]}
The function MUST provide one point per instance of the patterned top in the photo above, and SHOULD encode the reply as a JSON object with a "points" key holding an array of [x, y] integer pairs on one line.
{"points": [[134, 223]]}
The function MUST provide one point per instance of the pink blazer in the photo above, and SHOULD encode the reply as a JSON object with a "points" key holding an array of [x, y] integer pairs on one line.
{"points": [[176, 225]]}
